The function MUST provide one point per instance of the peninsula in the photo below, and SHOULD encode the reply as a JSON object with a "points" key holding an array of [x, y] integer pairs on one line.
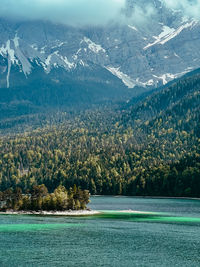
{"points": [[39, 201]]}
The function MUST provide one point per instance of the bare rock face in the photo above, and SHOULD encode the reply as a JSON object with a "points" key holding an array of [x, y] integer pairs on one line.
{"points": [[146, 53]]}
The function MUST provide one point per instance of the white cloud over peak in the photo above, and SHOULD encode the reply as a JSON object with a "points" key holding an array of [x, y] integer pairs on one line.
{"points": [[189, 8], [74, 12]]}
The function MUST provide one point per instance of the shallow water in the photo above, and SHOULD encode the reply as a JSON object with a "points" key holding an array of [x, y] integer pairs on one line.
{"points": [[167, 236]]}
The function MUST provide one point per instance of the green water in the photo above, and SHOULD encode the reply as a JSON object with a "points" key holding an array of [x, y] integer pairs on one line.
{"points": [[167, 235]]}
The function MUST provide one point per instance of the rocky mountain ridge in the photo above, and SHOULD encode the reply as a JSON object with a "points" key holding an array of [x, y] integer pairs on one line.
{"points": [[137, 53]]}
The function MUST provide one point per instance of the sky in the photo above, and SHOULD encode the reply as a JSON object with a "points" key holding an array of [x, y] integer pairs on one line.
{"points": [[84, 12]]}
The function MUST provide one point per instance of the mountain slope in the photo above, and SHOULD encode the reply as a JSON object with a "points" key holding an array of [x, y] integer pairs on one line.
{"points": [[178, 98], [145, 150]]}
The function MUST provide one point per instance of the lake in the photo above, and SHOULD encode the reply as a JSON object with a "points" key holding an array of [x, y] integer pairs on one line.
{"points": [[166, 234]]}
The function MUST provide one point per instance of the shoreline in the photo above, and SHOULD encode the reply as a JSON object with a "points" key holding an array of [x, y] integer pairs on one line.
{"points": [[54, 213], [72, 213], [149, 197]]}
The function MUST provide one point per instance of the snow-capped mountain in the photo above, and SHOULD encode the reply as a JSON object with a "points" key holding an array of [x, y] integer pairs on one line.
{"points": [[145, 54]]}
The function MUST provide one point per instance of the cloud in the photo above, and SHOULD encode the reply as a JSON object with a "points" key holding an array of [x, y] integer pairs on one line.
{"points": [[92, 12], [189, 7], [72, 12], [138, 13]]}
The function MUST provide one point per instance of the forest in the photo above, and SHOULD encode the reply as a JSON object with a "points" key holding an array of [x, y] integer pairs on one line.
{"points": [[151, 147]]}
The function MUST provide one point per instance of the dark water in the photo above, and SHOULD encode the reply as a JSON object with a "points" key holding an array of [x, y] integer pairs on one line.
{"points": [[169, 236]]}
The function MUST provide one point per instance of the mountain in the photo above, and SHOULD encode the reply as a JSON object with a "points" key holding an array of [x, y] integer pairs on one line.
{"points": [[43, 63], [172, 113], [180, 95]]}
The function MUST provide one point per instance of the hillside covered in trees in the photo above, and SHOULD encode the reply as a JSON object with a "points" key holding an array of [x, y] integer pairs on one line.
{"points": [[151, 147]]}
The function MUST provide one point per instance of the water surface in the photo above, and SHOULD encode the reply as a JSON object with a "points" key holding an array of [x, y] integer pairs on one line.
{"points": [[166, 236]]}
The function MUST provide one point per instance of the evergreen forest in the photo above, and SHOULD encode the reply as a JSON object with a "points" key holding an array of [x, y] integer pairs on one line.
{"points": [[147, 147]]}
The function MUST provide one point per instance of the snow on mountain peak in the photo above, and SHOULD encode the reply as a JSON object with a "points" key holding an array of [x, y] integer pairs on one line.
{"points": [[96, 48], [139, 54], [169, 33]]}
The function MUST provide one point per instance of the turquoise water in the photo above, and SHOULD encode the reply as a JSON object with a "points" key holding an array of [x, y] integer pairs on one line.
{"points": [[169, 235]]}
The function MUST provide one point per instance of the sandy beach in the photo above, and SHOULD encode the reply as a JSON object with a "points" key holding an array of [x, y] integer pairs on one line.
{"points": [[69, 213], [56, 213]]}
